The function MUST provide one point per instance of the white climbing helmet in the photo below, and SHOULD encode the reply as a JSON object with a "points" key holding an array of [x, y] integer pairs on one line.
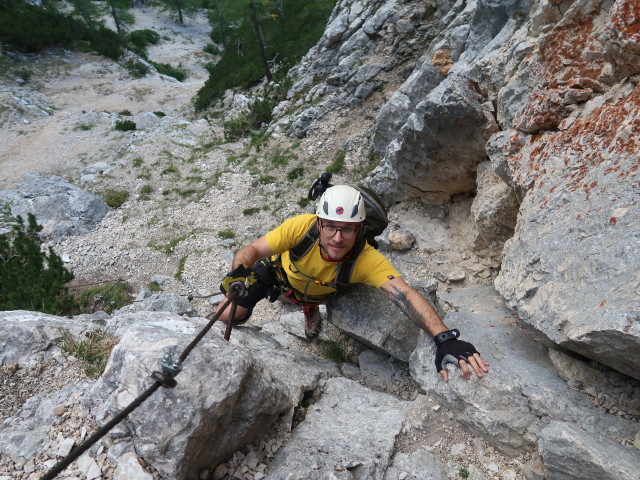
{"points": [[341, 203]]}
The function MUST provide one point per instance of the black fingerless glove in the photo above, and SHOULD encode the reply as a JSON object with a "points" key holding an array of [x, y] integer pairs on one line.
{"points": [[238, 278], [450, 349]]}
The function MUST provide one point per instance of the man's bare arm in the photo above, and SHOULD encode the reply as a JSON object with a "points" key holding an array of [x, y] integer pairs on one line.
{"points": [[253, 252], [414, 305], [420, 311]]}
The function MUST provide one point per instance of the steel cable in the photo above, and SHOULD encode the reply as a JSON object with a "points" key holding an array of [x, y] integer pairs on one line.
{"points": [[168, 382]]}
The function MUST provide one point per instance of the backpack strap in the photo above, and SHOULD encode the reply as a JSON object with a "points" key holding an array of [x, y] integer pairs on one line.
{"points": [[345, 270], [306, 243]]}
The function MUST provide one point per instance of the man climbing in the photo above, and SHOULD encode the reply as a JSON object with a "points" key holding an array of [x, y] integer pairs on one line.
{"points": [[270, 266]]}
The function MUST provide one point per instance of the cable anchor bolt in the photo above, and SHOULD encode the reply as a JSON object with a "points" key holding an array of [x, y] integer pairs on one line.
{"points": [[170, 368]]}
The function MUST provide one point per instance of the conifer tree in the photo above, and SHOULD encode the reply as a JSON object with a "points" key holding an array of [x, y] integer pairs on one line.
{"points": [[31, 279], [119, 10], [181, 7], [89, 11]]}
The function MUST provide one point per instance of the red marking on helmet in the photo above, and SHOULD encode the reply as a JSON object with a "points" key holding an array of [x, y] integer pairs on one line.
{"points": [[339, 210]]}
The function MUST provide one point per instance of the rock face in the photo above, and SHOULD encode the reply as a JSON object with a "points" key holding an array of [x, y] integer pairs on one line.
{"points": [[433, 130], [363, 41], [571, 269], [523, 392], [527, 109], [589, 457], [554, 90], [373, 319]]}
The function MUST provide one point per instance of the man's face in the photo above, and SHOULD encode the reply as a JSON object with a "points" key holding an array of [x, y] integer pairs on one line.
{"points": [[337, 238]]}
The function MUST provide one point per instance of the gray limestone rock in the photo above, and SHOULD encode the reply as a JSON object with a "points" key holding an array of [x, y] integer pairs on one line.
{"points": [[494, 208], [572, 268], [160, 302], [348, 433], [223, 400], [61, 208], [570, 453], [419, 465], [27, 337], [522, 393], [369, 316]]}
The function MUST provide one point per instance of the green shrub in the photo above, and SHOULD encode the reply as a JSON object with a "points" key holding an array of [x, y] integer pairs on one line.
{"points": [[226, 234], [93, 352], [250, 211], [170, 169], [295, 173], [260, 110], [31, 279], [160, 114], [125, 125], [31, 29], [303, 202], [138, 161], [106, 42], [136, 69], [333, 351], [211, 48], [265, 179], [180, 271], [187, 192], [125, 113], [115, 198], [139, 40], [24, 74], [338, 163], [169, 70], [280, 158], [146, 189], [105, 297], [236, 128]]}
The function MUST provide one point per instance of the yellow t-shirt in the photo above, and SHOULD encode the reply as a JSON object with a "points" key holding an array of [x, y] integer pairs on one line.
{"points": [[309, 274]]}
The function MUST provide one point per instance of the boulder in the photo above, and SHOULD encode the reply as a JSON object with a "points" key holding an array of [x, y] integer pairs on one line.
{"points": [[438, 148], [28, 337], [160, 302], [223, 400], [433, 130], [349, 433], [569, 452], [61, 208], [366, 314]]}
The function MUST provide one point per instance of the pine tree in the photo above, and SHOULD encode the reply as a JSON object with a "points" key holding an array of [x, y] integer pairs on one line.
{"points": [[30, 278]]}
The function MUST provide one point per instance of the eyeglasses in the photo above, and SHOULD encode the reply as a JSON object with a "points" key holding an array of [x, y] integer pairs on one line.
{"points": [[330, 230]]}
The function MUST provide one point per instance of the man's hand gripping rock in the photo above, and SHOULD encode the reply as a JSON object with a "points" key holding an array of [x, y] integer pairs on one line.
{"points": [[451, 350]]}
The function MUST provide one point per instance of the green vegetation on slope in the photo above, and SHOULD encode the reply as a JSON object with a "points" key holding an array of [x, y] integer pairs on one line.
{"points": [[288, 35], [30, 29], [31, 279]]}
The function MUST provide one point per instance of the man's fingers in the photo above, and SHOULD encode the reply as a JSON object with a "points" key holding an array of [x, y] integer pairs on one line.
{"points": [[444, 374], [464, 368], [473, 361]]}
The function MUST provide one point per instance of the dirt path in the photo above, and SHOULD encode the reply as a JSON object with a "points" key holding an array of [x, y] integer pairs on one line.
{"points": [[62, 118]]}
